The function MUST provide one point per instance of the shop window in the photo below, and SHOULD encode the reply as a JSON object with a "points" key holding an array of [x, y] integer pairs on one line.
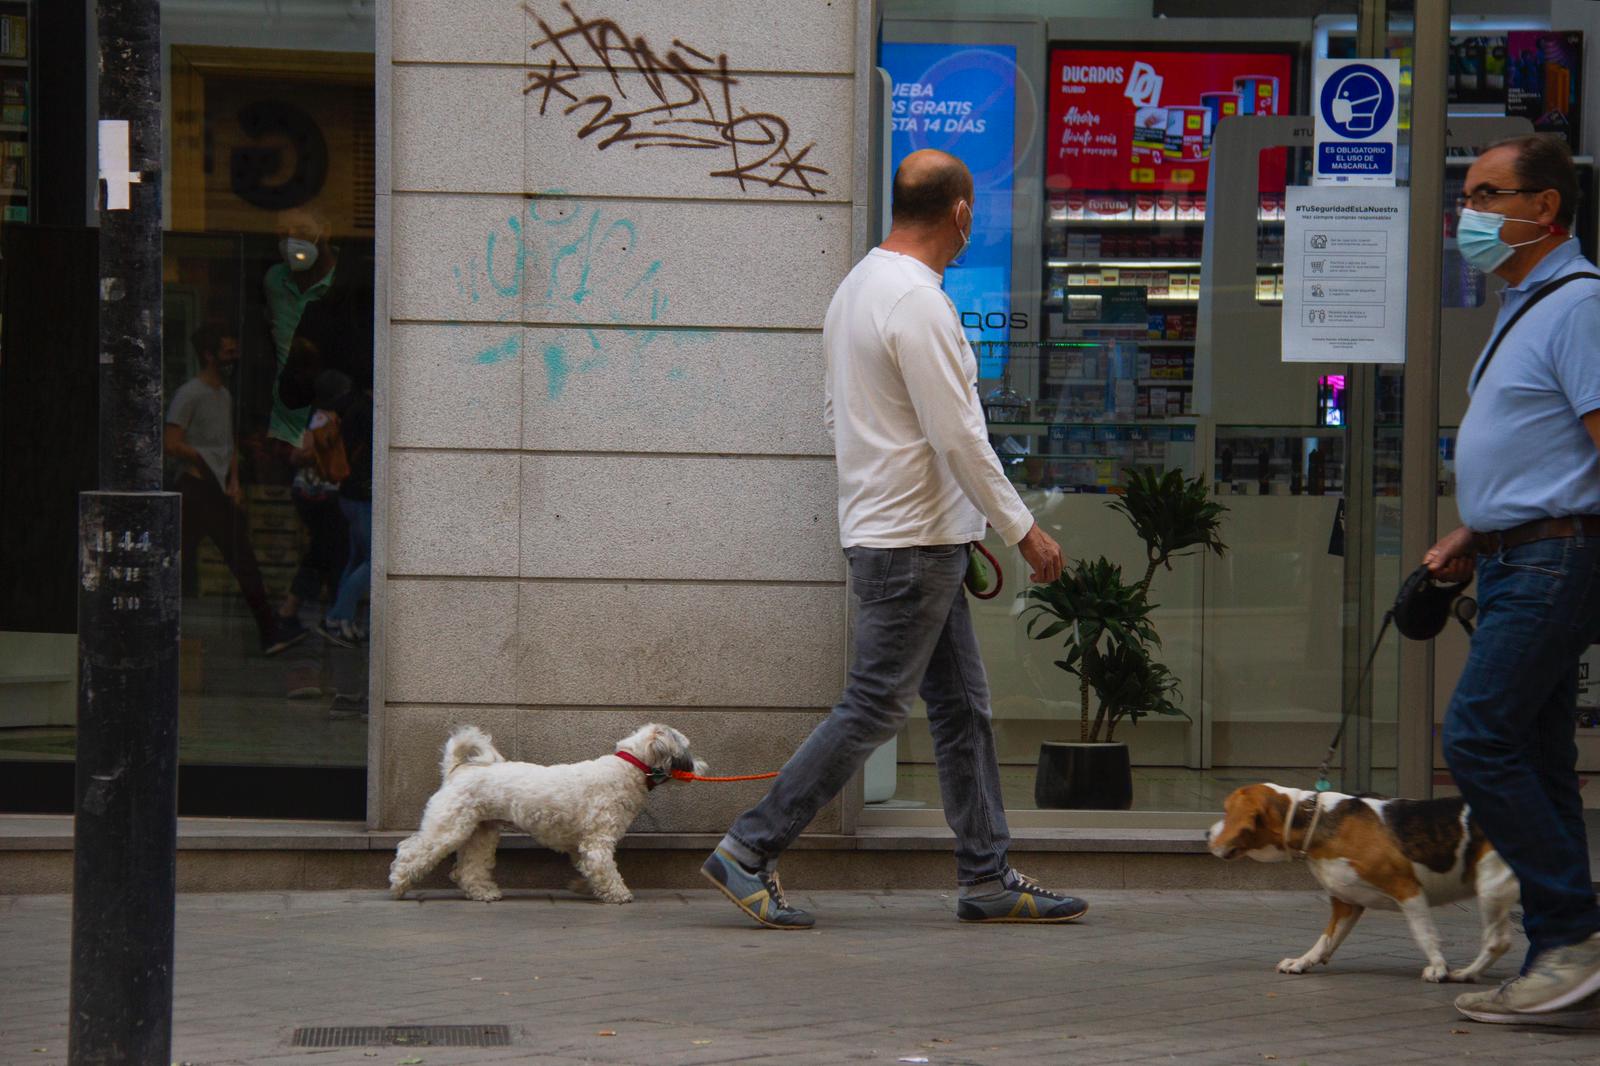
{"points": [[267, 372]]}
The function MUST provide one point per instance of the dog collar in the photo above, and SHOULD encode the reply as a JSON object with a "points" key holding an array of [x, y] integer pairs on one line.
{"points": [[1314, 803], [653, 776]]}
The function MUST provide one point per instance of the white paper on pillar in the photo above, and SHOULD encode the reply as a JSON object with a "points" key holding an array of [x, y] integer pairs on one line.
{"points": [[114, 172]]}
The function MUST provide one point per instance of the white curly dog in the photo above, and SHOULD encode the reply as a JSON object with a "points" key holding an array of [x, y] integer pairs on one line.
{"points": [[581, 809]]}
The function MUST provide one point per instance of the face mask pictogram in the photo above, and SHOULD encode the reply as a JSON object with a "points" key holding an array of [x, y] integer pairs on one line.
{"points": [[1356, 102]]}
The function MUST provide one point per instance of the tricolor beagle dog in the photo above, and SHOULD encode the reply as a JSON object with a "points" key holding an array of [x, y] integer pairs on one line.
{"points": [[1392, 854]]}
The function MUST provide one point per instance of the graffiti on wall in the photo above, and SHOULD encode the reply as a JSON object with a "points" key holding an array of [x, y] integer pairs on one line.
{"points": [[559, 254], [565, 259], [629, 94]]}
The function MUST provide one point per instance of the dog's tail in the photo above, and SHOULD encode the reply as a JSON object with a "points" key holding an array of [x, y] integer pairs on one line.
{"points": [[468, 746]]}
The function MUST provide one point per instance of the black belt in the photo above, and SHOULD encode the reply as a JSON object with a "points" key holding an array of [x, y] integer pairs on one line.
{"points": [[1542, 529]]}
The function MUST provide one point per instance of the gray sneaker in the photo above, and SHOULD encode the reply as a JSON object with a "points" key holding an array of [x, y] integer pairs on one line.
{"points": [[1019, 898], [757, 894], [1560, 977], [1495, 1008]]}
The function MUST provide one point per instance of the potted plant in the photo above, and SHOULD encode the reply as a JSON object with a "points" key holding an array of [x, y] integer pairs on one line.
{"points": [[1109, 640]]}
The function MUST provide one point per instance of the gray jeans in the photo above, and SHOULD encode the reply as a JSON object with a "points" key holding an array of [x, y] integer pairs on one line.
{"points": [[913, 636]]}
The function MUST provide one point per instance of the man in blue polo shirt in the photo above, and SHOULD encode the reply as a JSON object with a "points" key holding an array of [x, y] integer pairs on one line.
{"points": [[1528, 477]]}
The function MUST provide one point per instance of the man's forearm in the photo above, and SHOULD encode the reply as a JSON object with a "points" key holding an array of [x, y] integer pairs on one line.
{"points": [[180, 450]]}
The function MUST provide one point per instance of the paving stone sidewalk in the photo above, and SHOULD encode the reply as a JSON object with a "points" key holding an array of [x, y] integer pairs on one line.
{"points": [[681, 978]]}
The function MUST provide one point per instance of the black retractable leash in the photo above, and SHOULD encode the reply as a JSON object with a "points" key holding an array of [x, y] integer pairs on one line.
{"points": [[1421, 610]]}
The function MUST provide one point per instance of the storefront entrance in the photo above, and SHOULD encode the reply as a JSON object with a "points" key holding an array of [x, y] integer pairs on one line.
{"points": [[1125, 293]]}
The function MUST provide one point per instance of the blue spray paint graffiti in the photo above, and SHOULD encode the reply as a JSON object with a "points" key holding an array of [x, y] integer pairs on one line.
{"points": [[559, 256], [505, 350]]}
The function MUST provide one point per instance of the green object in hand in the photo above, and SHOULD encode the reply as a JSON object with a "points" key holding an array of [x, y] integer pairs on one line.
{"points": [[980, 579]]}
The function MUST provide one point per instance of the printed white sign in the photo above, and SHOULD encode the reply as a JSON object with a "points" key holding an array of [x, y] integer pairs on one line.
{"points": [[1357, 105], [114, 172], [1344, 275]]}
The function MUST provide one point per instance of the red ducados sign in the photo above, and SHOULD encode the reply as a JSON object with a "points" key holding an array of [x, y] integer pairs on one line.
{"points": [[1123, 120]]}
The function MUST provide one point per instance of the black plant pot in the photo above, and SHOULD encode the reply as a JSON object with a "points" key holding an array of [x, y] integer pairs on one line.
{"points": [[1083, 777]]}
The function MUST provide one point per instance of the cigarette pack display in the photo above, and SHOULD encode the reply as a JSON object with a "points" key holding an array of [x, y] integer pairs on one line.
{"points": [[14, 36]]}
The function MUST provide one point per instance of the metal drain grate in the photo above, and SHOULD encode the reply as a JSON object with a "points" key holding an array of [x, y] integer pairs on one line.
{"points": [[402, 1036]]}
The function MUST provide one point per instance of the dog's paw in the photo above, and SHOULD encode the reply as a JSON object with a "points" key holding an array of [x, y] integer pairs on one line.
{"points": [[398, 891], [580, 886], [1293, 966], [1464, 976], [616, 897], [484, 895], [1436, 973]]}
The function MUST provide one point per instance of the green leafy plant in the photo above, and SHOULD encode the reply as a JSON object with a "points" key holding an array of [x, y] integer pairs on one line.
{"points": [[1104, 621], [1170, 514]]}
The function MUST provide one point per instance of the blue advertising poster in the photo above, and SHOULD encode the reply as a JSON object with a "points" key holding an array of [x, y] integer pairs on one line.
{"points": [[961, 99]]}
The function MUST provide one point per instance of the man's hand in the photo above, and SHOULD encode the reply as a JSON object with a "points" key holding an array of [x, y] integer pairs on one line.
{"points": [[236, 494], [1451, 559], [1043, 555]]}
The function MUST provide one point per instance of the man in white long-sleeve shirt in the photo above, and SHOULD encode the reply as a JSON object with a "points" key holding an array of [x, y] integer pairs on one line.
{"points": [[917, 482]]}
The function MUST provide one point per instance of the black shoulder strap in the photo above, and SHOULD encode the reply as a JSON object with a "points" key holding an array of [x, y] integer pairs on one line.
{"points": [[1538, 295]]}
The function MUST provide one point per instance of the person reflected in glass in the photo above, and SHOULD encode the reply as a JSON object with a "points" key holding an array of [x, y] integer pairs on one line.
{"points": [[350, 409], [199, 435], [303, 275]]}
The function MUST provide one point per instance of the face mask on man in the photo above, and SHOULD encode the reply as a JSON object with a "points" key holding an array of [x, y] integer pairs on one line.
{"points": [[298, 254], [966, 234], [1478, 238]]}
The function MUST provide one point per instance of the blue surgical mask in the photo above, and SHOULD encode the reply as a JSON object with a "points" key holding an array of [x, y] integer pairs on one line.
{"points": [[1478, 237], [966, 235]]}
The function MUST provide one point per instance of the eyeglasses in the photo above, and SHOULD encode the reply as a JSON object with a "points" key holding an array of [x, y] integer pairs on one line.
{"points": [[1482, 197]]}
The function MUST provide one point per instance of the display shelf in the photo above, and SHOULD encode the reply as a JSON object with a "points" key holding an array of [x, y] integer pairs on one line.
{"points": [[1130, 264], [1188, 423], [1144, 264], [1148, 222], [17, 176]]}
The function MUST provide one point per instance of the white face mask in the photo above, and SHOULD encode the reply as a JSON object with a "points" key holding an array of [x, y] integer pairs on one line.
{"points": [[966, 234], [298, 254]]}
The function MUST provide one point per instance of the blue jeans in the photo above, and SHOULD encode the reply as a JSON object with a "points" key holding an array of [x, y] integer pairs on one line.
{"points": [[1509, 733], [356, 581], [913, 636]]}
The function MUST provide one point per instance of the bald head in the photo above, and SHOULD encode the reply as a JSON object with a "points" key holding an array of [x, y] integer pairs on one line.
{"points": [[927, 185]]}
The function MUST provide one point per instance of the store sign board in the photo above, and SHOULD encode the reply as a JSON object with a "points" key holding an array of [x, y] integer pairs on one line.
{"points": [[1357, 121], [1344, 275], [962, 99], [1126, 121]]}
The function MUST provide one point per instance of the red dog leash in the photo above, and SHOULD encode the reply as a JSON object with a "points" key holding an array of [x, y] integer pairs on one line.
{"points": [[658, 776]]}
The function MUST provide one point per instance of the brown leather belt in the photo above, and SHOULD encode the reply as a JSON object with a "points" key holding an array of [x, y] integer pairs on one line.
{"points": [[1543, 529]]}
